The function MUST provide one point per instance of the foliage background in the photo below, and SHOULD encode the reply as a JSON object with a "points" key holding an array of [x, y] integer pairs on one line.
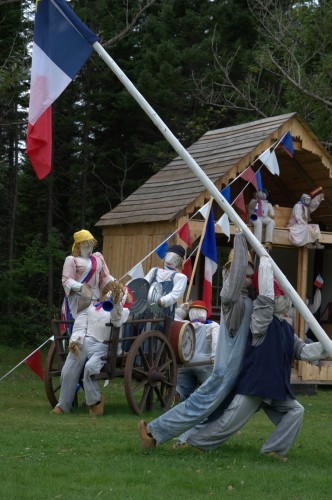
{"points": [[201, 64]]}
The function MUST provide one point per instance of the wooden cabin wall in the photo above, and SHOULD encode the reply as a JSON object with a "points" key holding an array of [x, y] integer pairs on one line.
{"points": [[125, 246]]}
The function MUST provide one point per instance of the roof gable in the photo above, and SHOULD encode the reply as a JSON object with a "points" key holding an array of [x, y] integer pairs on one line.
{"points": [[221, 153]]}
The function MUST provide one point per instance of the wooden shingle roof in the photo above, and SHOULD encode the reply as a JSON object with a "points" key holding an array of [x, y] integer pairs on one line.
{"points": [[222, 154]]}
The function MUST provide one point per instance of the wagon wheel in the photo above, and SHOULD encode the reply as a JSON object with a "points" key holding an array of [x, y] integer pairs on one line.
{"points": [[150, 372], [52, 372]]}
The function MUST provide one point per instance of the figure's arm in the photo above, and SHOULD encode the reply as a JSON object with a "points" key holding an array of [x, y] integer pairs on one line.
{"points": [[270, 210], [148, 277], [308, 352], [119, 315], [316, 302], [181, 312], [177, 292], [263, 306], [69, 281], [251, 206], [235, 280], [315, 202], [212, 333], [105, 276]]}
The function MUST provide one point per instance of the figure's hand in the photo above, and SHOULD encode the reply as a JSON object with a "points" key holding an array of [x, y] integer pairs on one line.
{"points": [[159, 303], [185, 306], [74, 348]]}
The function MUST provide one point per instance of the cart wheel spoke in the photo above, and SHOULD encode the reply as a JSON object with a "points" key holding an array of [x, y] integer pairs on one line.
{"points": [[150, 362]]}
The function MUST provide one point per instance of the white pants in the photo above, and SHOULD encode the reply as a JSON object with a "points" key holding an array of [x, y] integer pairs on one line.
{"points": [[91, 356], [269, 228]]}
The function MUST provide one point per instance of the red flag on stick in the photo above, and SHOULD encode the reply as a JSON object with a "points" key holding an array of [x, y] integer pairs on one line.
{"points": [[35, 363], [184, 233]]}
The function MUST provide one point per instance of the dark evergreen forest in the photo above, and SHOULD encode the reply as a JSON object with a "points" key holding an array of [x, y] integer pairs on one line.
{"points": [[201, 64]]}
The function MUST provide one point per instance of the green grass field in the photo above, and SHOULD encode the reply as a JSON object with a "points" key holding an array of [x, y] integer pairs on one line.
{"points": [[45, 456]]}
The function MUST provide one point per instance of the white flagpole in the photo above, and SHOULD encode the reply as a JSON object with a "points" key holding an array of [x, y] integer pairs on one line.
{"points": [[222, 202]]}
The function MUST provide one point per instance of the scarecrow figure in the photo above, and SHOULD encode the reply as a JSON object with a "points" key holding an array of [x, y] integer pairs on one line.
{"points": [[261, 214], [301, 233]]}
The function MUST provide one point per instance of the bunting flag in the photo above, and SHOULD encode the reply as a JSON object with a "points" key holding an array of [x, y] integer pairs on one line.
{"points": [[259, 180], [287, 144], [61, 46], [226, 192], [204, 210], [209, 250], [184, 233], [249, 175], [269, 159], [136, 272], [187, 268], [239, 202], [162, 249], [223, 223], [34, 362]]}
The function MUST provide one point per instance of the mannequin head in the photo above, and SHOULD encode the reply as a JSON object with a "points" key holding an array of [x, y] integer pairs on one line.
{"points": [[198, 311], [305, 199], [261, 195], [84, 243], [174, 257]]}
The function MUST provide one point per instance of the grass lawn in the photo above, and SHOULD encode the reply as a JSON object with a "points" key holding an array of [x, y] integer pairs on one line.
{"points": [[45, 456]]}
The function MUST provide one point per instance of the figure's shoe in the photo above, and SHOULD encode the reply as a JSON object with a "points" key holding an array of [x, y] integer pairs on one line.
{"points": [[57, 410], [311, 246], [319, 246], [146, 438], [274, 454], [97, 410]]}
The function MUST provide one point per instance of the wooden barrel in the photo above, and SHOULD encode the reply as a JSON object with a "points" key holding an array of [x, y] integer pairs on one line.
{"points": [[183, 340]]}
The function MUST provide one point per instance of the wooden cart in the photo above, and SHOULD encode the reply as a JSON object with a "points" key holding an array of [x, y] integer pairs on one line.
{"points": [[147, 355]]}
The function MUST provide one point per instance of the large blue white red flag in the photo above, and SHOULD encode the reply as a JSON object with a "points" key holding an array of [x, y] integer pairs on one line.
{"points": [[61, 46], [209, 250]]}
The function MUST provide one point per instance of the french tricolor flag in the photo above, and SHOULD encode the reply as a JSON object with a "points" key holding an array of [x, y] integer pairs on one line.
{"points": [[61, 46], [209, 250]]}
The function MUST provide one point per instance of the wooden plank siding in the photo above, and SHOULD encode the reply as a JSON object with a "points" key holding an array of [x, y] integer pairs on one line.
{"points": [[125, 246]]}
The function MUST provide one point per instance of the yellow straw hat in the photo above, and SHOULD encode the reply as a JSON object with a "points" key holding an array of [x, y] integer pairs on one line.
{"points": [[80, 236]]}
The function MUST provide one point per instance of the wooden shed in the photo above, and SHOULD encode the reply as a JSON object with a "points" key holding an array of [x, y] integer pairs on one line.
{"points": [[156, 210]]}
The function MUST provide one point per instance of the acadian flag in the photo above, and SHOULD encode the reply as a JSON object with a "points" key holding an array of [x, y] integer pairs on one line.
{"points": [[209, 250], [61, 46]]}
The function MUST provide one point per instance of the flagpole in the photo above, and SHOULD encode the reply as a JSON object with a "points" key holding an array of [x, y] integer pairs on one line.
{"points": [[199, 250], [23, 360], [222, 202]]}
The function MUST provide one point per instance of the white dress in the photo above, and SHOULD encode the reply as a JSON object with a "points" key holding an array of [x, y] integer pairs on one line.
{"points": [[300, 231]]}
